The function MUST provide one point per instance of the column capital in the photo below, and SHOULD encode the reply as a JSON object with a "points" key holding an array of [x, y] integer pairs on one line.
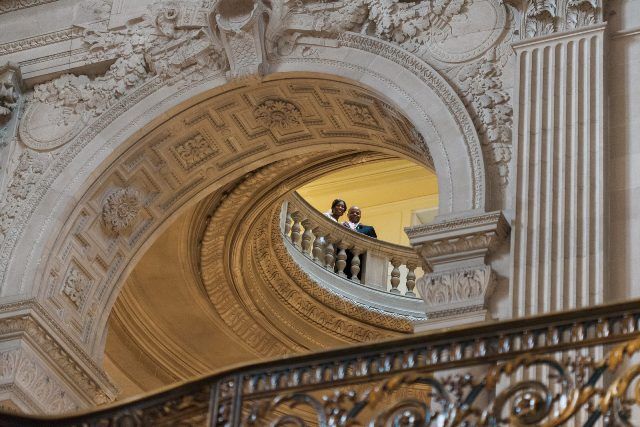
{"points": [[458, 289], [459, 242]]}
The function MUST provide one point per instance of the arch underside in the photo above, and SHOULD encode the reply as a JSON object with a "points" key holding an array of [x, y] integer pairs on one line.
{"points": [[226, 264]]}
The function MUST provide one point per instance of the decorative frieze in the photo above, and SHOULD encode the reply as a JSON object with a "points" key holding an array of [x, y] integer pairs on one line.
{"points": [[12, 5]]}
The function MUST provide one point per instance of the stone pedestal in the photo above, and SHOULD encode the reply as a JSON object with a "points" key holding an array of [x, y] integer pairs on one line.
{"points": [[458, 289]]}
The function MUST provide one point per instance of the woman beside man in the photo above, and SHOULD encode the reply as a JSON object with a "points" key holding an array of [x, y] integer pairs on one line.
{"points": [[338, 208]]}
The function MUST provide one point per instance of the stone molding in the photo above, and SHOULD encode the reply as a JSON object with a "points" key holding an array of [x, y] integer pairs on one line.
{"points": [[456, 250], [460, 239], [7, 6], [41, 40], [82, 378]]}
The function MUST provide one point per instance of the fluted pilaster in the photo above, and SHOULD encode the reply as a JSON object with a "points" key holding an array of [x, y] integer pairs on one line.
{"points": [[558, 250]]}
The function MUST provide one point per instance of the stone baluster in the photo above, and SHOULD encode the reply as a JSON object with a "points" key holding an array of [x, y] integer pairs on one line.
{"points": [[355, 263], [287, 222], [341, 262], [329, 253], [411, 279], [395, 276], [307, 237], [296, 228], [318, 246]]}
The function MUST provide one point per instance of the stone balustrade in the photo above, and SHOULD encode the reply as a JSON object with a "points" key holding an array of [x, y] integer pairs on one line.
{"points": [[350, 255]]}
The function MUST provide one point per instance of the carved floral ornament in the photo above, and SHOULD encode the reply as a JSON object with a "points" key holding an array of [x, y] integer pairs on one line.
{"points": [[120, 210], [541, 17], [277, 113]]}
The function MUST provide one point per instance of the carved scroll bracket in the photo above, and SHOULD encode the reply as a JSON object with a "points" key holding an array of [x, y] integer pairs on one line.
{"points": [[241, 26], [458, 289], [10, 89]]}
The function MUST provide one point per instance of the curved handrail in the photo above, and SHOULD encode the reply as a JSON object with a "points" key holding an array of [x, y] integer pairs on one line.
{"points": [[328, 242], [448, 348]]}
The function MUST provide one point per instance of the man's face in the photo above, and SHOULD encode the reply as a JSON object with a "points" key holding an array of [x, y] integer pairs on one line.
{"points": [[354, 214]]}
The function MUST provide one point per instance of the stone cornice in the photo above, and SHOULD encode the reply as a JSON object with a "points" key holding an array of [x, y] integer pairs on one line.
{"points": [[462, 239], [29, 320], [40, 40], [464, 225]]}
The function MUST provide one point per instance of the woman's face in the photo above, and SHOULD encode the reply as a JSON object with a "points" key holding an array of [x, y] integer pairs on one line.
{"points": [[339, 209]]}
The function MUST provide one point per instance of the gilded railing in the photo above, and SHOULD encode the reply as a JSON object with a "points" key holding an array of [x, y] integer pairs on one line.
{"points": [[372, 262], [570, 368]]}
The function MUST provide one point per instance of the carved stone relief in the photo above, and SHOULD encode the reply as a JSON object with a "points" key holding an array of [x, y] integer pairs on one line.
{"points": [[541, 17], [120, 210], [9, 90], [75, 285], [277, 112], [52, 383], [455, 292], [29, 169], [11, 5], [456, 251], [241, 27]]}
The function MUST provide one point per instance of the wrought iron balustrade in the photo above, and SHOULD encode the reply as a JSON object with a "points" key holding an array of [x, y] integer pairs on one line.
{"points": [[572, 367]]}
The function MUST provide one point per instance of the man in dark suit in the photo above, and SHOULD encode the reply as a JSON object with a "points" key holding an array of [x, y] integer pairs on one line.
{"points": [[354, 216]]}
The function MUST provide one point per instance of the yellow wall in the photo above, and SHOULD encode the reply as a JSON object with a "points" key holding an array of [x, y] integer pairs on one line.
{"points": [[390, 193]]}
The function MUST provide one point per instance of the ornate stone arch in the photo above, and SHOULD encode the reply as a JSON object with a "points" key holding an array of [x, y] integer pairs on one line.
{"points": [[398, 80]]}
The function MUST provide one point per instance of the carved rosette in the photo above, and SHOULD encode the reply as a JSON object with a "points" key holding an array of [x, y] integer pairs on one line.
{"points": [[277, 113], [461, 282], [120, 210]]}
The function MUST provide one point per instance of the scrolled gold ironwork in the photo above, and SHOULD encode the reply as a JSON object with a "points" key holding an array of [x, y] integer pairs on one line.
{"points": [[540, 371]]}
